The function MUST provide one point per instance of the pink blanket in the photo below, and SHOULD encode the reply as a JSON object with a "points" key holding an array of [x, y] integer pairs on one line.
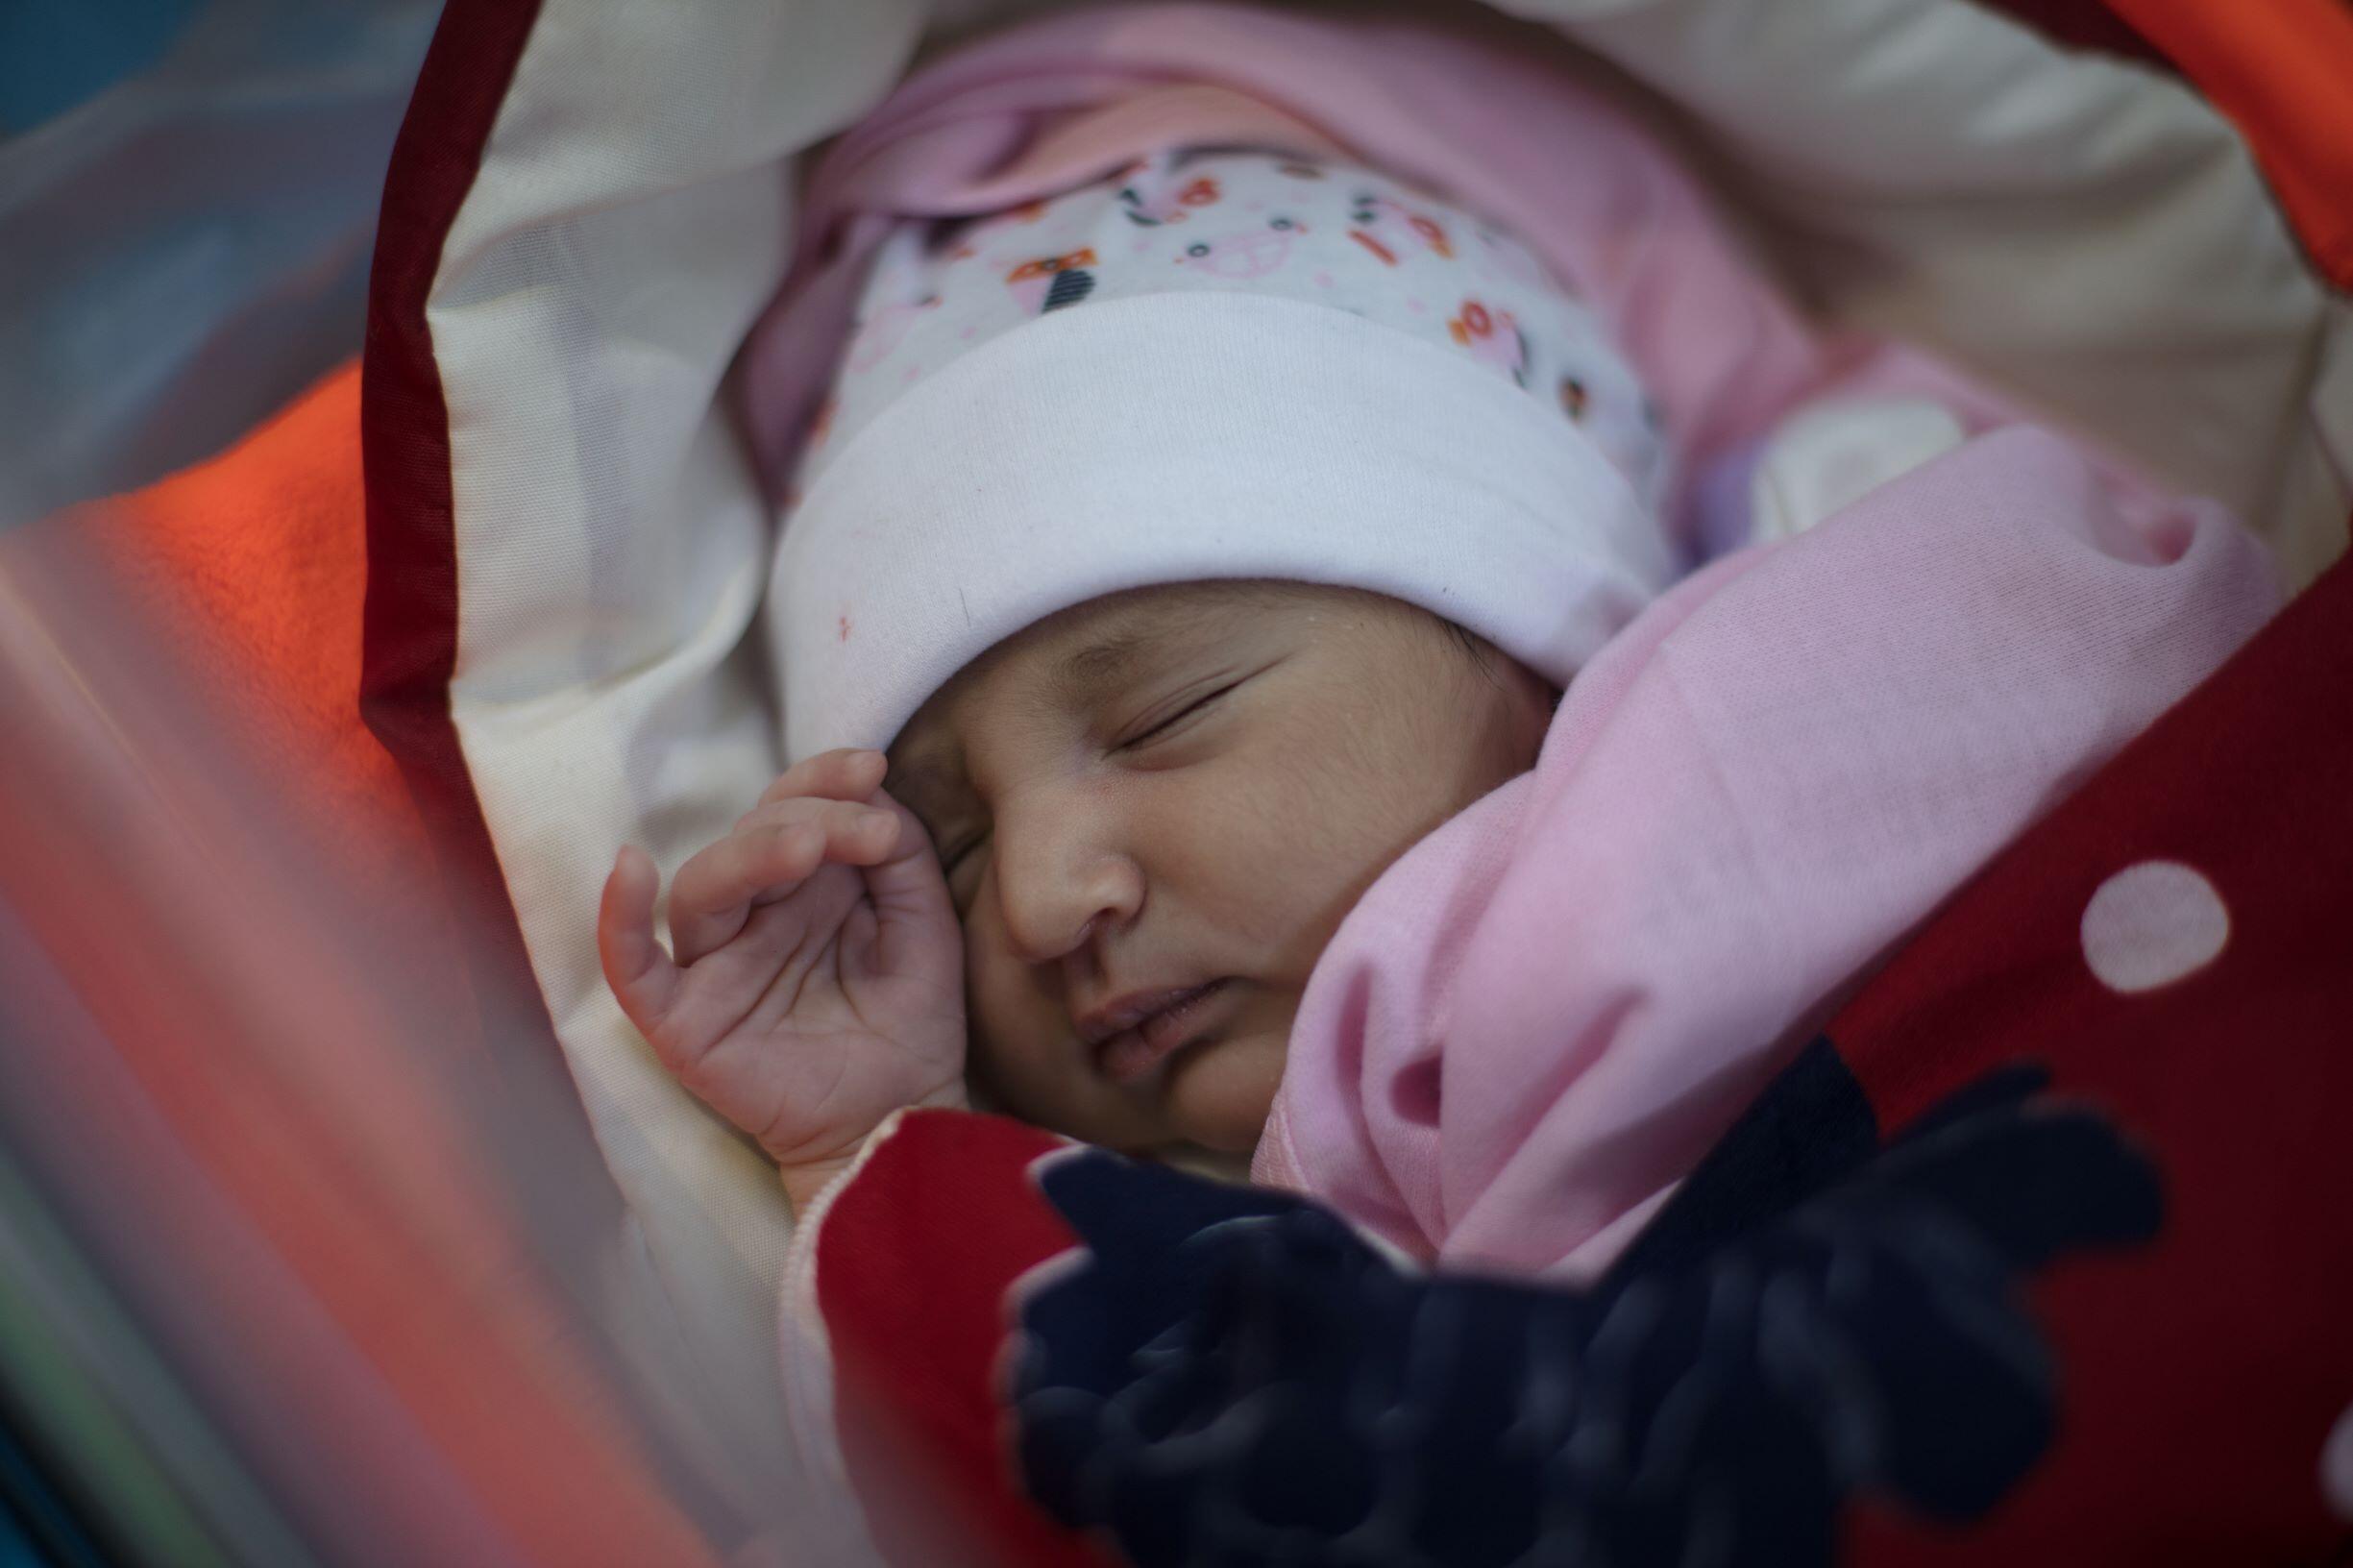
{"points": [[1533, 1024]]}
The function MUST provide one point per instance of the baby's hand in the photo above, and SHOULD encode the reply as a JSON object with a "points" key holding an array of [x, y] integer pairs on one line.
{"points": [[817, 985]]}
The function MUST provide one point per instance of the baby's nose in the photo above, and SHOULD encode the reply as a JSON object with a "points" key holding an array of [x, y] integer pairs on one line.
{"points": [[1062, 890]]}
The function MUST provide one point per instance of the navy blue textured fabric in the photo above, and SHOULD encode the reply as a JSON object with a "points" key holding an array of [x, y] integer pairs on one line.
{"points": [[1231, 1376]]}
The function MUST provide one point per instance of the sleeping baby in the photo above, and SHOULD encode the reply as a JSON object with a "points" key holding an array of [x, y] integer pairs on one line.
{"points": [[1266, 673]]}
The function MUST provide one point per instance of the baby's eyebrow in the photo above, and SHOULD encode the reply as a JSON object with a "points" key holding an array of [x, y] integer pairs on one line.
{"points": [[1142, 640], [1101, 665]]}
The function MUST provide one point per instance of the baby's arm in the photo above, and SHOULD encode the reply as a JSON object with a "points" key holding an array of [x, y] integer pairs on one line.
{"points": [[817, 982]]}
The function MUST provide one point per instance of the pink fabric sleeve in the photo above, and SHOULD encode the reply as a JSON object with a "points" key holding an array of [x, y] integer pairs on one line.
{"points": [[1538, 1020]]}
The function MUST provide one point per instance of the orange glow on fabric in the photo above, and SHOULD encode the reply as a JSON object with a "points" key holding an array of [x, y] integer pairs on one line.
{"points": [[2279, 69], [348, 1228]]}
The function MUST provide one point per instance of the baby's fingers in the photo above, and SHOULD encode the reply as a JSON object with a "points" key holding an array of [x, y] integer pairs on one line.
{"points": [[845, 774], [766, 859], [643, 977], [714, 893]]}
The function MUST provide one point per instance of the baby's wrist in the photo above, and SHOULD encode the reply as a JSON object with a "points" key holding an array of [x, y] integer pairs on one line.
{"points": [[805, 1179], [948, 1097]]}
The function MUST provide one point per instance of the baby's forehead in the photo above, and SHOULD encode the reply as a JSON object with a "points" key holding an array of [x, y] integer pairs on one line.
{"points": [[1075, 653], [1101, 632], [1076, 657]]}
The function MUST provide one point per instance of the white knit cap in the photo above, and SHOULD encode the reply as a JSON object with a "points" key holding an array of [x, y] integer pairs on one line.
{"points": [[1216, 365]]}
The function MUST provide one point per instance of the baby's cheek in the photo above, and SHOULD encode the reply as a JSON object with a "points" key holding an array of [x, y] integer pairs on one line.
{"points": [[999, 1080], [1220, 1096], [1014, 1029], [993, 1007]]}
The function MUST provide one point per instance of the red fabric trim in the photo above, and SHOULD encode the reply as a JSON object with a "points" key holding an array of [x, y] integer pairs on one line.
{"points": [[408, 639], [409, 625], [916, 1269], [2088, 25]]}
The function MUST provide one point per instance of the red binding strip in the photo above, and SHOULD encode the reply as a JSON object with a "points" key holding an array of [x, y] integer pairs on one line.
{"points": [[409, 625], [2084, 24]]}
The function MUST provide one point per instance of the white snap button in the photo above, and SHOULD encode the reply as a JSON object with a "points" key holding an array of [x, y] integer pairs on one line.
{"points": [[2151, 925], [2336, 1466]]}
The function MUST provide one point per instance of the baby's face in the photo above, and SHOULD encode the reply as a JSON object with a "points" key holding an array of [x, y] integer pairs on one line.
{"points": [[1178, 788]]}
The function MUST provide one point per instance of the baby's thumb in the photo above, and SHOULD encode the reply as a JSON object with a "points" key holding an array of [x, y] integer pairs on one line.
{"points": [[644, 979], [909, 892]]}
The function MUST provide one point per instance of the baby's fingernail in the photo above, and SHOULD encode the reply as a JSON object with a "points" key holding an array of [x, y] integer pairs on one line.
{"points": [[870, 820]]}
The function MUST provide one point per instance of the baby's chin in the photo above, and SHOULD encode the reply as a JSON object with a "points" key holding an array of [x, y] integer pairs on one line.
{"points": [[1218, 1094]]}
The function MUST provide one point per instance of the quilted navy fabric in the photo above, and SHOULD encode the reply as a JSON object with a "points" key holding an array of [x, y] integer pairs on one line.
{"points": [[1231, 1376]]}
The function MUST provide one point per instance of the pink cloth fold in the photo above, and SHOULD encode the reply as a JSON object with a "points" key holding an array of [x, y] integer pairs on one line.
{"points": [[1540, 1018]]}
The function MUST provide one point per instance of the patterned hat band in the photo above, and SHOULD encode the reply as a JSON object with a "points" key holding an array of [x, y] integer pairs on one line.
{"points": [[1222, 219], [1214, 365]]}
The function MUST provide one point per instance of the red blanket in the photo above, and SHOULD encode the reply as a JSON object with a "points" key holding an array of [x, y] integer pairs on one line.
{"points": [[2040, 1255]]}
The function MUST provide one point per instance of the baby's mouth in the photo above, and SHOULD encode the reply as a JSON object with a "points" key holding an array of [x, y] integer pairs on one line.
{"points": [[1126, 1055]]}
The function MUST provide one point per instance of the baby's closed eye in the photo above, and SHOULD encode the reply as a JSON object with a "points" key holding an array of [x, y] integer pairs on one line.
{"points": [[1186, 708]]}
